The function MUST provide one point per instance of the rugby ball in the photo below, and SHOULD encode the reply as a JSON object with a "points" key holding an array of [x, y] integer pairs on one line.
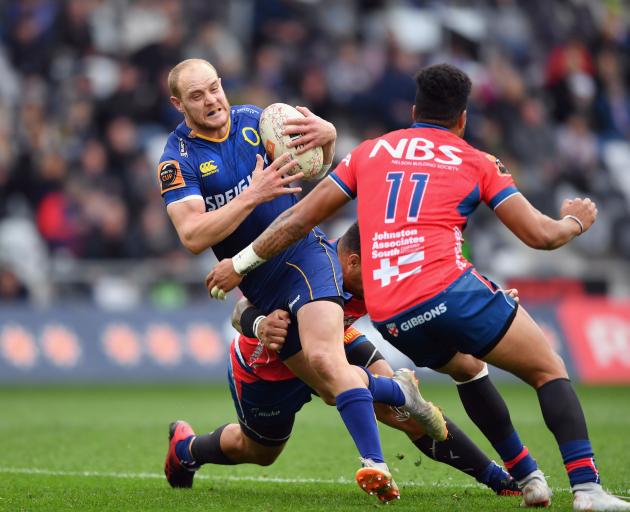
{"points": [[271, 126]]}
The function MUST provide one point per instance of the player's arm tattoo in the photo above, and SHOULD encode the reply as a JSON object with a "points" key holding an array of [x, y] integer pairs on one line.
{"points": [[281, 233]]}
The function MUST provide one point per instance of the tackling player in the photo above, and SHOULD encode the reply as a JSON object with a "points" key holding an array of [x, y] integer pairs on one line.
{"points": [[415, 189], [218, 195]]}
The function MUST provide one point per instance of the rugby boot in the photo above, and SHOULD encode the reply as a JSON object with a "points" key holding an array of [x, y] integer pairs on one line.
{"points": [[501, 482], [425, 413], [507, 487], [375, 479], [591, 497], [536, 492], [179, 473]]}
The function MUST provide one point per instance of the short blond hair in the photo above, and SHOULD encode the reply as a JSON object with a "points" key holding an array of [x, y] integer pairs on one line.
{"points": [[173, 75]]}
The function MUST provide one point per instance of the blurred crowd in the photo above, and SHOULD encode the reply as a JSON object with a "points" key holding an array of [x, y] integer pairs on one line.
{"points": [[84, 107]]}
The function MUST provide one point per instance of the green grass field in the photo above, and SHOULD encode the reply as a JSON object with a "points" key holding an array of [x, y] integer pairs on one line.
{"points": [[102, 448]]}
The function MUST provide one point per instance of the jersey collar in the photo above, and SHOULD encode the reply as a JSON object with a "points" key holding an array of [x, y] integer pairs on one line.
{"points": [[193, 134], [184, 131], [429, 125]]}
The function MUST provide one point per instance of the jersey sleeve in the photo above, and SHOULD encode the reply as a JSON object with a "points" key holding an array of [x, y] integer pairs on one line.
{"points": [[345, 176], [178, 180], [496, 182]]}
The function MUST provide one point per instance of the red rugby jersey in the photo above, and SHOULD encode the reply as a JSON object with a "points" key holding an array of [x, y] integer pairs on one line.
{"points": [[416, 189]]}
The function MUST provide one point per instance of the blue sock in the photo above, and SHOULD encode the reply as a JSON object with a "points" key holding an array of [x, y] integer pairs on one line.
{"points": [[493, 476], [385, 390], [357, 411], [515, 456], [579, 462], [182, 450]]}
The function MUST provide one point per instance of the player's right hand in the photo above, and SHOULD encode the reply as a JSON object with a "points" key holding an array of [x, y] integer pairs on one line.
{"points": [[313, 130], [272, 331], [583, 209], [271, 182], [222, 278]]}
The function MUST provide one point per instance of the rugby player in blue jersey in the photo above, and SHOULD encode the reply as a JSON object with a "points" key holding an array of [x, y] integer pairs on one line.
{"points": [[219, 196]]}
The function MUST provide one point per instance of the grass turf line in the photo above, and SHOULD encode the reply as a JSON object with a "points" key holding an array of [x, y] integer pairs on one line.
{"points": [[122, 431]]}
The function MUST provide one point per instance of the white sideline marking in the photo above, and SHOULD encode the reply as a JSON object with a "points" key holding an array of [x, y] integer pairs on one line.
{"points": [[231, 478]]}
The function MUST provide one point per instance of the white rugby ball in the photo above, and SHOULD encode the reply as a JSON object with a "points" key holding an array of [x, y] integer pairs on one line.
{"points": [[271, 126]]}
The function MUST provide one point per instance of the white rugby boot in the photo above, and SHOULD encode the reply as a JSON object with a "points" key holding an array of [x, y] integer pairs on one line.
{"points": [[536, 492], [591, 497], [375, 479], [425, 413]]}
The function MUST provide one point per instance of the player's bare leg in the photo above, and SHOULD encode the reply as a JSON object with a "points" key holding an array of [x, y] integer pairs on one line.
{"points": [[241, 449], [462, 367], [320, 325], [525, 352]]}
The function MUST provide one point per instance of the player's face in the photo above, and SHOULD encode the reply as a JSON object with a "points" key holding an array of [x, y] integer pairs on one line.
{"points": [[203, 101]]}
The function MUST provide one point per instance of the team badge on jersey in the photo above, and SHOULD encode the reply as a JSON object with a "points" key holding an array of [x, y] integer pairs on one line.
{"points": [[392, 329], [170, 176], [501, 169]]}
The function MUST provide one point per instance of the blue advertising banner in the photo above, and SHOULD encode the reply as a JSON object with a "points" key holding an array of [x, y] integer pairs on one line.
{"points": [[84, 343]]}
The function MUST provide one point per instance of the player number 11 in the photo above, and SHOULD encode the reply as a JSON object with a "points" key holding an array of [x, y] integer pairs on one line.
{"points": [[395, 179]]}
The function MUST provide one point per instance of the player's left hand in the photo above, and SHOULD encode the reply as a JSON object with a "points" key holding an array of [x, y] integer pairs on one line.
{"points": [[222, 278], [314, 131]]}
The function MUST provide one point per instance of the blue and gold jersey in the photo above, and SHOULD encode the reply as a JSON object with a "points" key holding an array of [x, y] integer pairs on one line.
{"points": [[218, 170]]}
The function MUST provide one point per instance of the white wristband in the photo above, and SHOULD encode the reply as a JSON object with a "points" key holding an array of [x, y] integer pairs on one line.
{"points": [[246, 260], [574, 218], [256, 324]]}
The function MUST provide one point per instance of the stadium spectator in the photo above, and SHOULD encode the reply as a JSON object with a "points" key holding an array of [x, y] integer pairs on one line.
{"points": [[11, 289]]}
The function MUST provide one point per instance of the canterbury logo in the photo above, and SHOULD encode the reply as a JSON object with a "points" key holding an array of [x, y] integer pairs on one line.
{"points": [[208, 168]]}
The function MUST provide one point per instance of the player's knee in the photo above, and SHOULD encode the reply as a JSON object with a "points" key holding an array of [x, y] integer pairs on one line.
{"points": [[554, 369], [381, 367], [324, 364], [266, 458], [328, 398], [467, 369]]}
